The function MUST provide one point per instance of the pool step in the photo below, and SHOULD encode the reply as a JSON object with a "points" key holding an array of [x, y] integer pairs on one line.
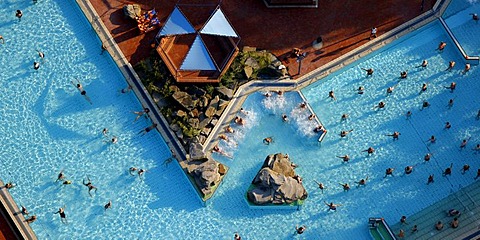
{"points": [[466, 200]]}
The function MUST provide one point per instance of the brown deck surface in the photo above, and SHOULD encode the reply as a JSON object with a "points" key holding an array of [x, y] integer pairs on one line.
{"points": [[343, 24], [5, 232]]}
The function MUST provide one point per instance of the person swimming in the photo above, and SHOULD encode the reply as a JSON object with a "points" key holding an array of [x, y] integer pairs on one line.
{"points": [[36, 65], [345, 133], [430, 179], [148, 129], [81, 90], [395, 135], [63, 217], [332, 206], [408, 169], [108, 205], [451, 64], [370, 150], [267, 140], [90, 186], [331, 95], [389, 172], [345, 158], [362, 182], [320, 185], [369, 71], [141, 113], [441, 46], [448, 171]]}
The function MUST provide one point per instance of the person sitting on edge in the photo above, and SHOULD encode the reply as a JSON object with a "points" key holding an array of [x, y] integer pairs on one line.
{"points": [[373, 33]]}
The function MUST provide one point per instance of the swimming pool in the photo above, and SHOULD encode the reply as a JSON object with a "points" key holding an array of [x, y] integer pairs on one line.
{"points": [[389, 197], [457, 17], [46, 126]]}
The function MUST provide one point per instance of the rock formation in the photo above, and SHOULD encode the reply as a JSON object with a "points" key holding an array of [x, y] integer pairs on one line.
{"points": [[276, 182]]}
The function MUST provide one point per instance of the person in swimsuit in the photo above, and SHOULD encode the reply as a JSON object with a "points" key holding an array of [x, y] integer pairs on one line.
{"points": [[141, 113], [81, 90], [108, 205], [148, 129], [90, 186], [63, 217]]}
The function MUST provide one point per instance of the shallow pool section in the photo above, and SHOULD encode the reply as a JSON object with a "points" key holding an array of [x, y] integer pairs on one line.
{"points": [[459, 19]]}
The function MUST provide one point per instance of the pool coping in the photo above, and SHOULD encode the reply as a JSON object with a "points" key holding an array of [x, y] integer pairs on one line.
{"points": [[14, 213]]}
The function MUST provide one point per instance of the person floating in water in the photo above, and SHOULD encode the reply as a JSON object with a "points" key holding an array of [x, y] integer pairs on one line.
{"points": [[284, 118], [390, 90], [408, 169], [388, 172], [451, 64], [424, 88], [465, 168], [141, 113], [408, 115], [345, 158], [217, 149], [403, 74], [427, 157], [395, 135], [430, 179], [19, 14], [345, 116], [148, 129], [126, 90], [448, 125], [464, 143], [362, 182], [36, 65], [320, 185], [474, 17], [60, 176], [370, 150], [41, 55], [345, 186], [332, 206], [90, 186], [81, 90], [432, 139], [300, 230], [360, 90], [63, 217], [452, 86], [450, 103], [403, 220], [345, 133], [467, 68], [448, 171], [141, 172], [425, 104], [67, 182], [331, 95], [108, 205], [441, 46], [267, 140], [424, 64], [237, 237], [369, 71], [380, 105]]}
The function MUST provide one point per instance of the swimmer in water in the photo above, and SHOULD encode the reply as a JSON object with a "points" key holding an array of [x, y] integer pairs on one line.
{"points": [[441, 46], [452, 86], [360, 90], [148, 129], [61, 176], [395, 135], [320, 185], [345, 133], [141, 113], [362, 182], [424, 64], [467, 68], [331, 95], [63, 217], [108, 205], [424, 88], [380, 105], [36, 65], [345, 158], [41, 55], [132, 170], [3, 40], [448, 171], [267, 140], [451, 64], [369, 71], [332, 206], [126, 90], [388, 172], [81, 90], [370, 150], [430, 179], [403, 74], [90, 186]]}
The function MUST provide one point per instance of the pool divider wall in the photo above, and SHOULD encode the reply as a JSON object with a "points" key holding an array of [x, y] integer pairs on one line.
{"points": [[15, 215]]}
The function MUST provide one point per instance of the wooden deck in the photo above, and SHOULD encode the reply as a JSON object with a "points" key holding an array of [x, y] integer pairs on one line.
{"points": [[343, 25]]}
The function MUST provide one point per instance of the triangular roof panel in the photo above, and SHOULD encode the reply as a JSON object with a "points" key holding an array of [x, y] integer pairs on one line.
{"points": [[176, 24], [198, 57], [218, 25]]}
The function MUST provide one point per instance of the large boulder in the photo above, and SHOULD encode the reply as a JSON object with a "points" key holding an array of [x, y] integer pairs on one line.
{"points": [[184, 99], [276, 183], [226, 93], [196, 152], [206, 174]]}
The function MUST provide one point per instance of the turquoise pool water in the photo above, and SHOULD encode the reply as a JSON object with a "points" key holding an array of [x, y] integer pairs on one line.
{"points": [[389, 197], [458, 18]]}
